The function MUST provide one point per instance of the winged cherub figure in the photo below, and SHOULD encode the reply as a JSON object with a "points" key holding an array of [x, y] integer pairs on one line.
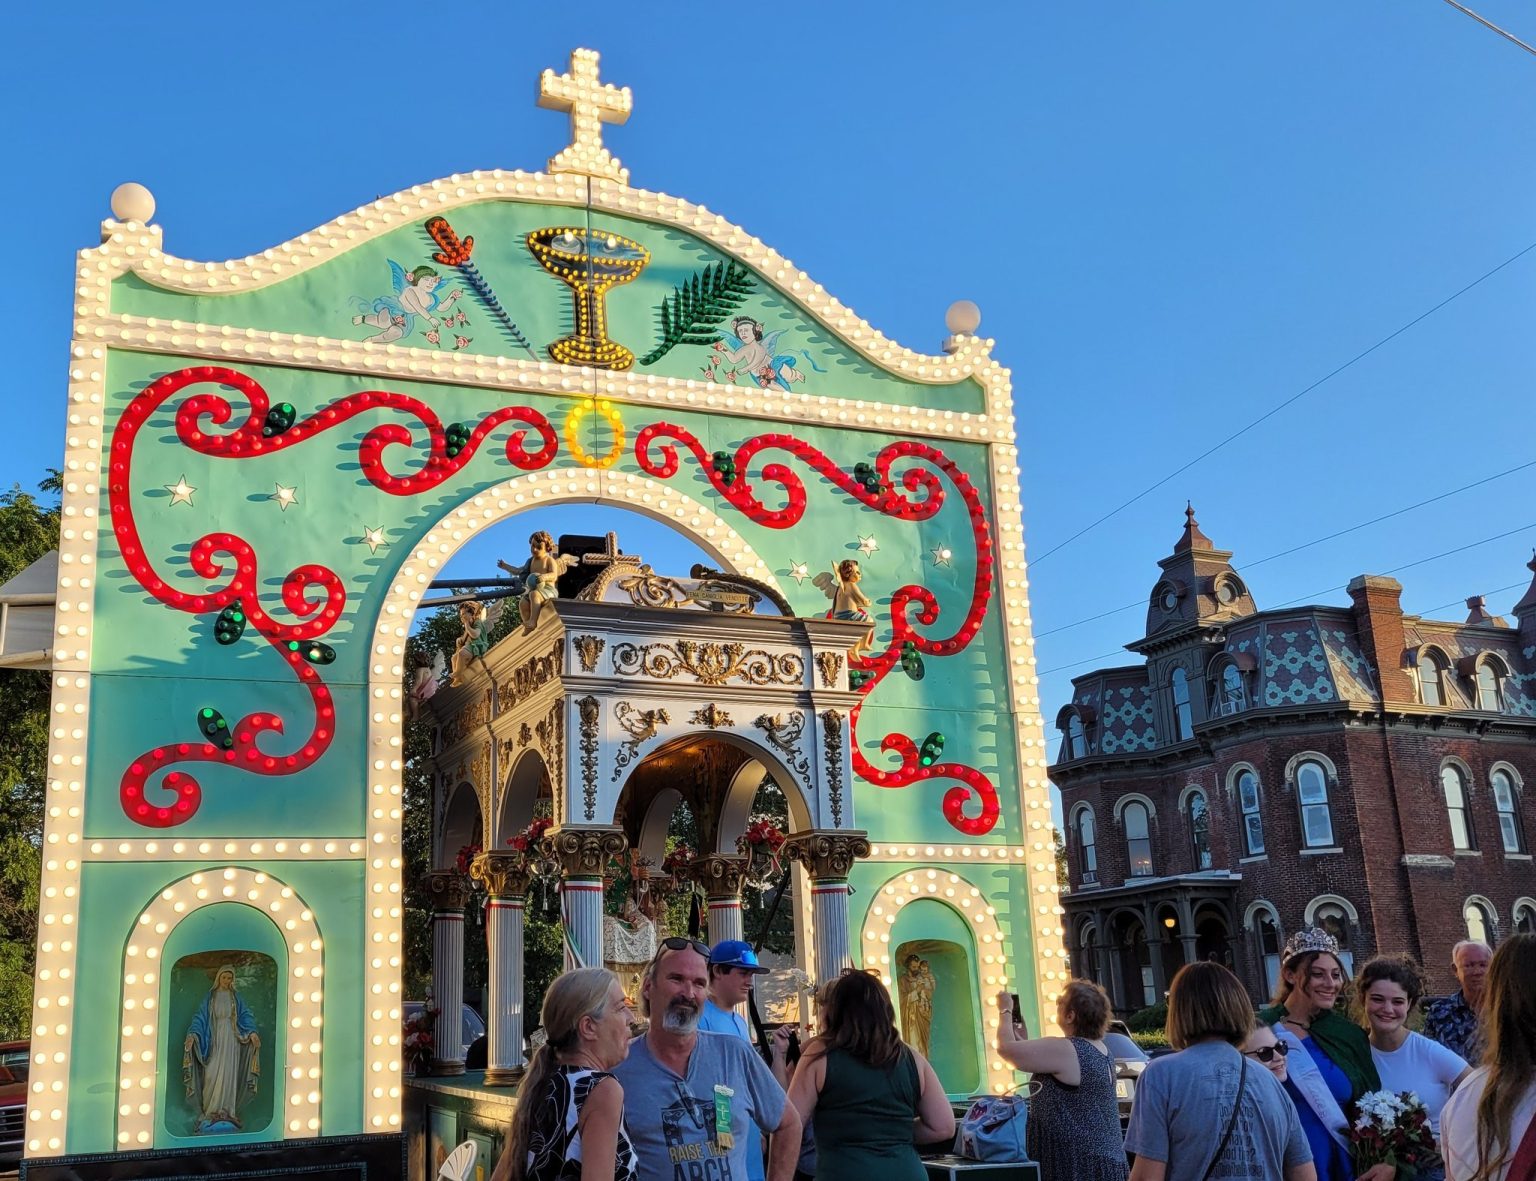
{"points": [[540, 574], [478, 620], [425, 678], [841, 585], [417, 292]]}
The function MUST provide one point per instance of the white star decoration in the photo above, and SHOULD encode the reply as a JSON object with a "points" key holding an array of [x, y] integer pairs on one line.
{"points": [[942, 554], [285, 497], [868, 544], [799, 571], [373, 538], [181, 491]]}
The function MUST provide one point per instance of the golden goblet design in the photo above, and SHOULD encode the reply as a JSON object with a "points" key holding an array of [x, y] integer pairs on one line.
{"points": [[589, 262]]}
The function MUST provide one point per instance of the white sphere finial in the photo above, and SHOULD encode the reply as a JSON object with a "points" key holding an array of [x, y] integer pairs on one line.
{"points": [[133, 202], [963, 318]]}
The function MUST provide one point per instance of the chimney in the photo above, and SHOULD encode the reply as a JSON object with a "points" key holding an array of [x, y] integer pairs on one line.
{"points": [[1379, 620]]}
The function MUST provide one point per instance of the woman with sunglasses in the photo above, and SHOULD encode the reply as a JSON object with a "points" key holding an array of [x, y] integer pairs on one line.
{"points": [[1207, 1111], [1267, 1050], [1390, 989], [569, 1120], [873, 1096], [1329, 1066]]}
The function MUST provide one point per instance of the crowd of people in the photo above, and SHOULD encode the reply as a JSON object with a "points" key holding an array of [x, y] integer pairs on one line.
{"points": [[1242, 1097]]}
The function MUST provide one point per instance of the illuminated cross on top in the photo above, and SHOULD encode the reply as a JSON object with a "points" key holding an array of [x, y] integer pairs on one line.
{"points": [[591, 104]]}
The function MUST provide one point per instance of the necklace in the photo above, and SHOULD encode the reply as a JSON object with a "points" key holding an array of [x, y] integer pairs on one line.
{"points": [[1298, 1022]]}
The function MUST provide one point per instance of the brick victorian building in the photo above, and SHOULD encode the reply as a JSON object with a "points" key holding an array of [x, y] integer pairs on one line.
{"points": [[1351, 767]]}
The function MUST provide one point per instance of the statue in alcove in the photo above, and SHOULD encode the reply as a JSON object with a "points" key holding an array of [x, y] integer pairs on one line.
{"points": [[220, 1062], [916, 985], [629, 945]]}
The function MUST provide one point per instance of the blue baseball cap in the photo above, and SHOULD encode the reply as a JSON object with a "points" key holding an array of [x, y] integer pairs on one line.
{"points": [[735, 953]]}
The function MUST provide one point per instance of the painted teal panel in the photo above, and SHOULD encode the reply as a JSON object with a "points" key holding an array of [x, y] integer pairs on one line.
{"points": [[341, 298], [113, 894]]}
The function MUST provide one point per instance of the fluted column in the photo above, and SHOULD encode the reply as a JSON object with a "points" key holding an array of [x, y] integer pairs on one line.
{"points": [[721, 876], [828, 856], [583, 855], [449, 892], [506, 877]]}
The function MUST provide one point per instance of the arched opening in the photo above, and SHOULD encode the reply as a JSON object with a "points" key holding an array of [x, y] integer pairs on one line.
{"points": [[1137, 987], [1213, 936], [936, 992], [527, 793], [463, 827]]}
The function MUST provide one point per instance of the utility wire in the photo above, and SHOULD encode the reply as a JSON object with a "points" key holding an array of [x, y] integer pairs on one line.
{"points": [[1268, 414], [1296, 549], [1498, 590], [1317, 594], [1483, 20]]}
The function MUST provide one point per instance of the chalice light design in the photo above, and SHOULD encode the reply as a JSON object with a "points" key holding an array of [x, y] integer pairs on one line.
{"points": [[589, 262]]}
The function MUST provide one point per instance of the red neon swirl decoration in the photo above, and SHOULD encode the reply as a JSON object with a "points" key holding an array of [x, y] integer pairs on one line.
{"points": [[911, 605]]}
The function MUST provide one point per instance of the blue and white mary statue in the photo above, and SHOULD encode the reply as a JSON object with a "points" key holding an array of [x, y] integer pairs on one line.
{"points": [[219, 1064]]}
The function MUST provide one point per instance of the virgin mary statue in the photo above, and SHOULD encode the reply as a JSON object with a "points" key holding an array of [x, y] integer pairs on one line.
{"points": [[219, 1063]]}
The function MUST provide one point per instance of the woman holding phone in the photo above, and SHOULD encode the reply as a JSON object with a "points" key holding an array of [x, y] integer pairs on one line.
{"points": [[1074, 1119]]}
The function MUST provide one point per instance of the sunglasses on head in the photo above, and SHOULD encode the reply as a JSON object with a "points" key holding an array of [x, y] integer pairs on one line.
{"points": [[1267, 1053], [681, 942]]}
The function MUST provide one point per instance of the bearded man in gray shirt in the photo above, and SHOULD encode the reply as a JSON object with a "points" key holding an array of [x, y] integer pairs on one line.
{"points": [[694, 1101]]}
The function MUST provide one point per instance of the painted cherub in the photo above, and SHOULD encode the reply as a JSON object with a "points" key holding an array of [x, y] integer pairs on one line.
{"points": [[478, 621], [748, 350], [417, 293], [426, 675], [540, 574], [848, 602]]}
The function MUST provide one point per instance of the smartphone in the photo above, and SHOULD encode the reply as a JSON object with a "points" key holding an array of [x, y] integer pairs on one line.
{"points": [[1018, 1013]]}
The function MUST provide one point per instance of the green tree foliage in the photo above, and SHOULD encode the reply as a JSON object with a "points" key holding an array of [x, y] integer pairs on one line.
{"points": [[28, 530]]}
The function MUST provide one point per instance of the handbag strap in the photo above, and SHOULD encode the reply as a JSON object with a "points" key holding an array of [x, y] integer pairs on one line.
{"points": [[1237, 1105], [1523, 1166]]}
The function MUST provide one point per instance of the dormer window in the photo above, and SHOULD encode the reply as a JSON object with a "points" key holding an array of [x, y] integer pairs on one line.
{"points": [[1490, 689], [1429, 668], [1073, 722], [1168, 598], [1183, 714], [1228, 693], [1229, 589]]}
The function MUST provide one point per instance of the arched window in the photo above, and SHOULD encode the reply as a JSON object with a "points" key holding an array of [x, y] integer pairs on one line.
{"points": [[1253, 822], [1088, 961], [1200, 829], [1087, 844], [1480, 925], [1312, 795], [1231, 696], [1138, 838], [1334, 919], [1490, 692], [1184, 717], [1431, 674], [1505, 802], [1525, 917], [1077, 738], [1266, 931], [1454, 783]]}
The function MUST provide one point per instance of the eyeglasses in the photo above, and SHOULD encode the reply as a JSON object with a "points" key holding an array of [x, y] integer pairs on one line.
{"points": [[680, 943], [1266, 1054]]}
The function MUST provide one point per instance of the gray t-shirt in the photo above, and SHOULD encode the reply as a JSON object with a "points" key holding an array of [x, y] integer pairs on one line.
{"points": [[1183, 1104], [671, 1119]]}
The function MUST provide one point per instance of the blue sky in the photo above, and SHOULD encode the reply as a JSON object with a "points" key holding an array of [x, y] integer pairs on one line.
{"points": [[1192, 211]]}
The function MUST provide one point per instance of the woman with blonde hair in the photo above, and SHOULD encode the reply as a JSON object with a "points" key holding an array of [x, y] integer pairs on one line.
{"points": [[569, 1121], [1074, 1117], [1206, 1106], [1488, 1127]]}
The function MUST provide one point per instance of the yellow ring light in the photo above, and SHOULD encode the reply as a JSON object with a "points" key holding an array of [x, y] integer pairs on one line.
{"points": [[573, 424]]}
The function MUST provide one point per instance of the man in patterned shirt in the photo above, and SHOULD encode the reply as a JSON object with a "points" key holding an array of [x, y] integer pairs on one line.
{"points": [[1453, 1020]]}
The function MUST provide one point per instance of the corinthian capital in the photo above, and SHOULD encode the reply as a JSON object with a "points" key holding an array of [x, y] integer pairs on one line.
{"points": [[721, 874], [504, 875], [584, 852], [448, 889], [827, 854]]}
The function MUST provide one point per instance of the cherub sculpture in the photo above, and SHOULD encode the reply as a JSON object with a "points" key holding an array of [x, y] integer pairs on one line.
{"points": [[425, 677], [478, 621], [841, 585], [540, 574]]}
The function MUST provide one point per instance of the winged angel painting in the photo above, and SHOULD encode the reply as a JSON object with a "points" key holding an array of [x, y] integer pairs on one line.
{"points": [[418, 294]]}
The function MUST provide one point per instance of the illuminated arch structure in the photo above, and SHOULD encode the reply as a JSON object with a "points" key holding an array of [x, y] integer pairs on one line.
{"points": [[268, 459]]}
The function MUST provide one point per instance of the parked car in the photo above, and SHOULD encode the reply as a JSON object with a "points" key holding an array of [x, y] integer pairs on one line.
{"points": [[473, 1025], [1130, 1061], [14, 1060]]}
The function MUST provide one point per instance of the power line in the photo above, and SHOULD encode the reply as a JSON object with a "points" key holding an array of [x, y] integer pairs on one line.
{"points": [[1498, 590], [1296, 549], [1317, 594], [1268, 414], [1483, 20]]}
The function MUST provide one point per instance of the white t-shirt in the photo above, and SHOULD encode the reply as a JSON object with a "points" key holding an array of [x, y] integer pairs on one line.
{"points": [[1458, 1127], [1424, 1067]]}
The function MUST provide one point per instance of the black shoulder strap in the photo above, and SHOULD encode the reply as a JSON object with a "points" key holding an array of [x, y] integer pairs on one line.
{"points": [[1237, 1104]]}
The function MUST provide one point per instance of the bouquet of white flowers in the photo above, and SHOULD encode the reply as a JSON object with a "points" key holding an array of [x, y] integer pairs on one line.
{"points": [[1392, 1129]]}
